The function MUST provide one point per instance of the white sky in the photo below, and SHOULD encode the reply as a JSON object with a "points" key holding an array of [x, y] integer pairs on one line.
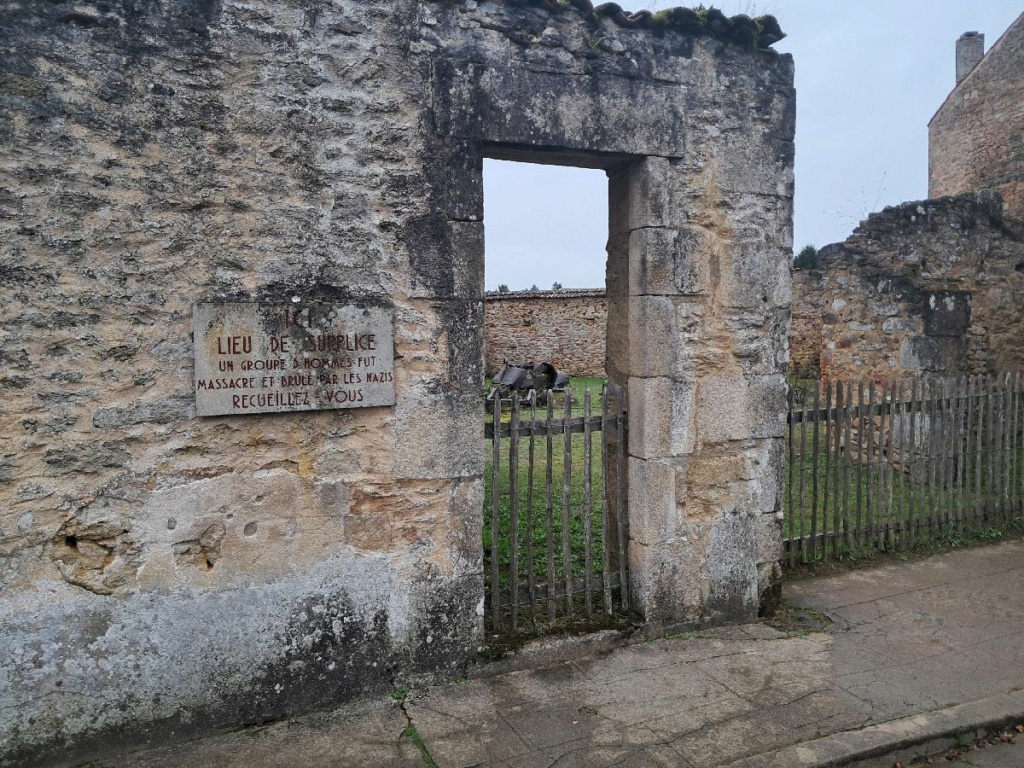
{"points": [[869, 76]]}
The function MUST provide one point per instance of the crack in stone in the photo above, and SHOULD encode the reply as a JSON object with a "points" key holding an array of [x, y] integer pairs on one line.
{"points": [[410, 731]]}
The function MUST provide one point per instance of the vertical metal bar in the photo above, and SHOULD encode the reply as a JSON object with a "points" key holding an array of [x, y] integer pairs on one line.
{"points": [[531, 570], [841, 512], [513, 511], [566, 497], [803, 467], [495, 513], [827, 469], [606, 571], [588, 506], [620, 496], [549, 505]]}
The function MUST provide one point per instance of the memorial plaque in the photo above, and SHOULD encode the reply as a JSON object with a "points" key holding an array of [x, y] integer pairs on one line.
{"points": [[303, 356]]}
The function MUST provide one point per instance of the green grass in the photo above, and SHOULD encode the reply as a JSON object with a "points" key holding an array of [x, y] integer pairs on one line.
{"points": [[534, 511], [548, 523], [906, 506], [918, 511]]}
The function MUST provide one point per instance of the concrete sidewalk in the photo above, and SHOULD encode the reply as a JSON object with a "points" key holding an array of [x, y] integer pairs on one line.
{"points": [[915, 652]]}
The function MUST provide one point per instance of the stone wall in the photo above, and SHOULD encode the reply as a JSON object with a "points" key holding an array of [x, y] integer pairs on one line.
{"points": [[976, 138], [934, 286], [163, 573], [565, 328], [805, 334]]}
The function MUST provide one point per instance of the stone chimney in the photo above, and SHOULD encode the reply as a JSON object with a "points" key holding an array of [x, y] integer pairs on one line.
{"points": [[969, 50]]}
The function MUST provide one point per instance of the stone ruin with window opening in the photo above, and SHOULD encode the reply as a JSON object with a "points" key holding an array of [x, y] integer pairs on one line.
{"points": [[172, 169]]}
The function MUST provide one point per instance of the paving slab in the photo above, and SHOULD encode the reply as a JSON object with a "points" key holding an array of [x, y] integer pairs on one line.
{"points": [[369, 733], [915, 653]]}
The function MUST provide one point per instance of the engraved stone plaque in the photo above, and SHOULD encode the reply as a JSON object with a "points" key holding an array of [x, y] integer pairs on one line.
{"points": [[302, 356]]}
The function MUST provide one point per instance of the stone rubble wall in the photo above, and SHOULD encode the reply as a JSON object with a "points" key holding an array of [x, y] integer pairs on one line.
{"points": [[805, 333], [976, 138], [934, 286], [565, 328], [162, 574]]}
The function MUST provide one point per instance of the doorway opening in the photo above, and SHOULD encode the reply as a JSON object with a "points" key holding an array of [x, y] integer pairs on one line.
{"points": [[555, 528]]}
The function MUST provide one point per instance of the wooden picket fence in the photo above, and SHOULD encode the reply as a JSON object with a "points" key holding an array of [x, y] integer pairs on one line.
{"points": [[884, 464], [554, 547]]}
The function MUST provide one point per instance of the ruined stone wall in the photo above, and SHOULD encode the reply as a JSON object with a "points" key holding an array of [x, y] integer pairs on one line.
{"points": [[193, 573], [565, 328], [976, 139], [805, 333], [934, 286]]}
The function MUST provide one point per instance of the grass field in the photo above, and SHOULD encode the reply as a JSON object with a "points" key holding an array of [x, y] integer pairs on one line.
{"points": [[548, 522], [858, 505], [980, 499]]}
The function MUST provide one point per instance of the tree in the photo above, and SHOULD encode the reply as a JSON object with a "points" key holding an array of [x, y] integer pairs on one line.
{"points": [[534, 287], [556, 286], [503, 288], [807, 258]]}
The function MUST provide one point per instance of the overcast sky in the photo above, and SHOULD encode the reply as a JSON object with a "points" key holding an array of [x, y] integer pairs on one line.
{"points": [[869, 76]]}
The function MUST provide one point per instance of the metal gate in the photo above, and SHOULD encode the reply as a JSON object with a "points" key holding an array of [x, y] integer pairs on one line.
{"points": [[555, 546]]}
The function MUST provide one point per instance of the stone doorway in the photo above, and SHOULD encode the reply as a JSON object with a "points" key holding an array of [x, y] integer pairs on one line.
{"points": [[698, 287]]}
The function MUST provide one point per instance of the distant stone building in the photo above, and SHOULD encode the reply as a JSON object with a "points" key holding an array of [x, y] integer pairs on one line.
{"points": [[565, 328], [976, 138]]}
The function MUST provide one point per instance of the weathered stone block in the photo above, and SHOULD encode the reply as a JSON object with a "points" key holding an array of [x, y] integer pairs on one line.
{"points": [[465, 181], [733, 408], [732, 569], [676, 324], [661, 417], [589, 114], [670, 262], [769, 537], [669, 583], [652, 317], [654, 511], [447, 258], [438, 432]]}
